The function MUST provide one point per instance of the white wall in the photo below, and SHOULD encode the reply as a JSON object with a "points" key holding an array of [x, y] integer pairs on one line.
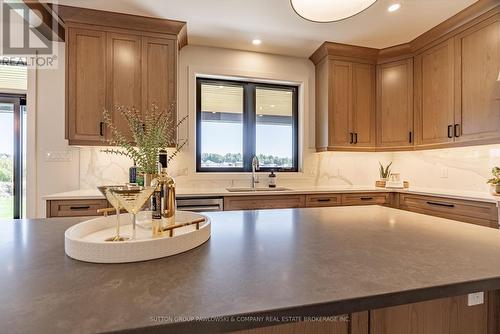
{"points": [[46, 135]]}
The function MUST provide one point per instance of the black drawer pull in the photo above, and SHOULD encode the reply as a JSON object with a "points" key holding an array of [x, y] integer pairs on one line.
{"points": [[447, 205], [355, 137], [410, 139], [366, 198], [83, 207], [323, 199], [352, 138], [101, 129], [457, 130]]}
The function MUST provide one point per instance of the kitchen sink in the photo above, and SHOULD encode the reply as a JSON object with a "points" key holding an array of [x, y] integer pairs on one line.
{"points": [[249, 189]]}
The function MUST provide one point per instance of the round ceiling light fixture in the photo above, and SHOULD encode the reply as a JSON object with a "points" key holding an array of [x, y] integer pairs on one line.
{"points": [[329, 10]]}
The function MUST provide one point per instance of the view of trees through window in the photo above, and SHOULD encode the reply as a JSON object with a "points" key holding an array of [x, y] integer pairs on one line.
{"points": [[236, 160]]}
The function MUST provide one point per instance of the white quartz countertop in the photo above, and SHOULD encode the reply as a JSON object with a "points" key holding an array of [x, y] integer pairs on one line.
{"points": [[204, 192]]}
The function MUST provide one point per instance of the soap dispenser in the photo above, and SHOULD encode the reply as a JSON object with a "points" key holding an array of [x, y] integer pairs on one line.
{"points": [[272, 180]]}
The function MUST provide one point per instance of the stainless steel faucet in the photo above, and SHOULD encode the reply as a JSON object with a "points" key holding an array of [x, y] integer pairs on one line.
{"points": [[255, 166]]}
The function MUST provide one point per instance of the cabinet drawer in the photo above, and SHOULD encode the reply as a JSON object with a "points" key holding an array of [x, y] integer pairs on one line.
{"points": [[480, 213], [366, 199], [263, 202], [75, 208], [323, 200]]}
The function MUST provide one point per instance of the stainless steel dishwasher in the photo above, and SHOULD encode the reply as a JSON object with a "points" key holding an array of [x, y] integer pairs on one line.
{"points": [[200, 204]]}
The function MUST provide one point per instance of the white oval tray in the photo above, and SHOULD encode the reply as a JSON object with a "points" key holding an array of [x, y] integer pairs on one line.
{"points": [[85, 241]]}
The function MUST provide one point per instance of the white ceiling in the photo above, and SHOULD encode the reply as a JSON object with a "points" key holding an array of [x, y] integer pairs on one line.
{"points": [[234, 23]]}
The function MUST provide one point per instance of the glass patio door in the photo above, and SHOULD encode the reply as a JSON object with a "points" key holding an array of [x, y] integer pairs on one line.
{"points": [[12, 148]]}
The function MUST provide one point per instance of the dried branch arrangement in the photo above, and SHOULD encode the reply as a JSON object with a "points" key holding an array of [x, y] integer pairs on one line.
{"points": [[152, 131]]}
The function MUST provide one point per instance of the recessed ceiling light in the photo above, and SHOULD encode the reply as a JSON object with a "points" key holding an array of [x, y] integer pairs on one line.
{"points": [[256, 42], [394, 7], [328, 10]]}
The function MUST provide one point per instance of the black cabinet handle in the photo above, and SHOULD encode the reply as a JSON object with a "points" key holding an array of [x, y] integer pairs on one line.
{"points": [[366, 198], [450, 131], [457, 130], [355, 137], [101, 129], [83, 207], [323, 199], [352, 138], [447, 205], [410, 139]]}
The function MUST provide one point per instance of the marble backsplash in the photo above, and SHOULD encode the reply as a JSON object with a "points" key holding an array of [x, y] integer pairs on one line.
{"points": [[457, 168], [323, 169]]}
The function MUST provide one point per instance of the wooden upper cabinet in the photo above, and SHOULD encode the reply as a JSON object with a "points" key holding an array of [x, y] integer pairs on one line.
{"points": [[114, 60], [395, 105], [363, 102], [86, 85], [124, 84], [159, 74], [340, 104], [477, 112], [434, 95], [345, 105]]}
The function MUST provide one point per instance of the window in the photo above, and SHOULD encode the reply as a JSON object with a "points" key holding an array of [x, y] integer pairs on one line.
{"points": [[236, 121]]}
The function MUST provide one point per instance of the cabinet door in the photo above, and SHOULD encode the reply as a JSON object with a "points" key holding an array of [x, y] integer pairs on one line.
{"points": [[445, 315], [363, 105], [478, 80], [434, 96], [124, 79], [340, 104], [86, 82], [395, 105], [159, 57]]}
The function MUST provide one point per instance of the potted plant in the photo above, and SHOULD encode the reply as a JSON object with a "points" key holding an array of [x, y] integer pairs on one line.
{"points": [[495, 180], [152, 131], [384, 174]]}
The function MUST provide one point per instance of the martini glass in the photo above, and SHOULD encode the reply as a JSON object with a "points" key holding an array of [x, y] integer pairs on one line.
{"points": [[107, 191], [133, 199]]}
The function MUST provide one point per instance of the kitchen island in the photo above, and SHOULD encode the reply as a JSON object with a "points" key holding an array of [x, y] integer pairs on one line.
{"points": [[259, 268]]}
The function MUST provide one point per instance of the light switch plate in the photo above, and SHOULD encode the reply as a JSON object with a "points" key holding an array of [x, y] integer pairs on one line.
{"points": [[475, 298]]}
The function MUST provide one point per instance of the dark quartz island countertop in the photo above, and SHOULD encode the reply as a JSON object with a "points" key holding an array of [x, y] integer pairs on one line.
{"points": [[291, 262]]}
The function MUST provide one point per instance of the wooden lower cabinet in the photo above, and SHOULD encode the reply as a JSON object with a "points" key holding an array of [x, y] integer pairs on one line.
{"points": [[366, 199], [440, 316], [323, 200], [75, 208], [479, 213], [264, 202], [317, 327]]}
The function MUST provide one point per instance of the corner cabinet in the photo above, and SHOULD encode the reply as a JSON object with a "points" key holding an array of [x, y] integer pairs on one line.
{"points": [[345, 106], [395, 105], [129, 61]]}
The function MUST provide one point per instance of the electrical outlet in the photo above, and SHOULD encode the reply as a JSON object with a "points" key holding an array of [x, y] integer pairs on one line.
{"points": [[475, 298], [58, 156], [444, 172]]}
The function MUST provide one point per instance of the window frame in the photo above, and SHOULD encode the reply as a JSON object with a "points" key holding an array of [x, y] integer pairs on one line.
{"points": [[249, 124]]}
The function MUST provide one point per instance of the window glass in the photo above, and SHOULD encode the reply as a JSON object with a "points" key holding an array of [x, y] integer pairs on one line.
{"points": [[274, 136], [238, 120], [221, 126]]}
